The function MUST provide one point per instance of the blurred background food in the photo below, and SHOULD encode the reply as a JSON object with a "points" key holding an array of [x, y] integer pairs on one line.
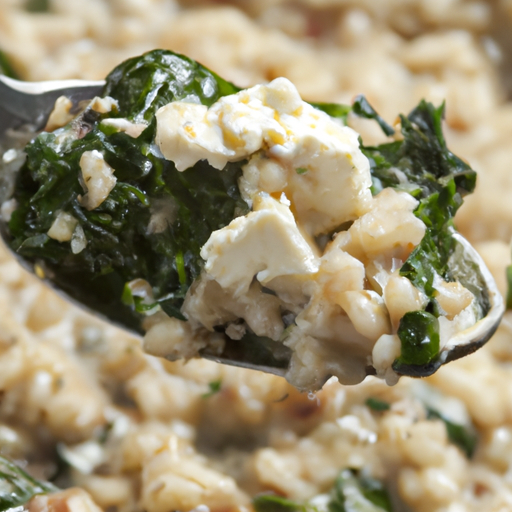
{"points": [[81, 405]]}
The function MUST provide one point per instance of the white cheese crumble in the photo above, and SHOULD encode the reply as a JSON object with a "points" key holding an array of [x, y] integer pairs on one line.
{"points": [[337, 306], [97, 179], [327, 178], [266, 243], [62, 227], [126, 126]]}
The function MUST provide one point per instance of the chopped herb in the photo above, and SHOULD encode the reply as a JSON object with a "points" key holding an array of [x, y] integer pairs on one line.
{"points": [[17, 487], [355, 493], [301, 170], [463, 436], [215, 387], [377, 405]]}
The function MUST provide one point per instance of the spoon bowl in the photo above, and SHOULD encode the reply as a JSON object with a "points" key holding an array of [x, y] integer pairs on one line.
{"points": [[24, 109]]}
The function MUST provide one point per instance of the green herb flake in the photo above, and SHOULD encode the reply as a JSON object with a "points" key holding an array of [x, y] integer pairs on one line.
{"points": [[301, 170], [215, 386], [377, 405], [18, 487], [353, 492], [463, 436]]}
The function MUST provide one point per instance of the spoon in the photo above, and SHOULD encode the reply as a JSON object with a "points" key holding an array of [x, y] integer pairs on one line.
{"points": [[25, 107]]}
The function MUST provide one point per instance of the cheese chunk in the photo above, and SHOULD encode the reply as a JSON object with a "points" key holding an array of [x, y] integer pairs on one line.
{"points": [[266, 243], [328, 178], [98, 179]]}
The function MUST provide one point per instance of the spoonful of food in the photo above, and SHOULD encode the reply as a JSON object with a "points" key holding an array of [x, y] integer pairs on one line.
{"points": [[246, 226]]}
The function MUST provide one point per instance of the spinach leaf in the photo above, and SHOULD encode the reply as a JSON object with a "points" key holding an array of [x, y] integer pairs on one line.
{"points": [[120, 245], [362, 108], [377, 405], [143, 84], [419, 333], [423, 166], [334, 110], [463, 436], [18, 487], [350, 493], [353, 492]]}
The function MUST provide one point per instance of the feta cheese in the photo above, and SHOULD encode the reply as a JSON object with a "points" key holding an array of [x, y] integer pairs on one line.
{"points": [[62, 227], [123, 125], [98, 179], [266, 243], [335, 185], [305, 176]]}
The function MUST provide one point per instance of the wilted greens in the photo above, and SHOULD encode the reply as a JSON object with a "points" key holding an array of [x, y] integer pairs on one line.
{"points": [[121, 248], [352, 492], [17, 487]]}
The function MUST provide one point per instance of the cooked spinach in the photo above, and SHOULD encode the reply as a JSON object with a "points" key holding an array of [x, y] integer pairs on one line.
{"points": [[419, 334], [377, 405], [120, 245], [354, 492], [423, 166], [463, 436], [17, 487]]}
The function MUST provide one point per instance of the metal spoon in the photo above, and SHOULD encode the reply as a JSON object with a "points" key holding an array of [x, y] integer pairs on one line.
{"points": [[27, 106]]}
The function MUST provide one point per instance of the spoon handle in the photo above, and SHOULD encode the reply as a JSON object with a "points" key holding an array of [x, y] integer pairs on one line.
{"points": [[31, 102]]}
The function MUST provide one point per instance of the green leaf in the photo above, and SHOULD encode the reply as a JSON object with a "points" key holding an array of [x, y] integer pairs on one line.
{"points": [[377, 405], [362, 108], [17, 487], [463, 436], [419, 335], [355, 493], [121, 246], [334, 110], [215, 386], [144, 84]]}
